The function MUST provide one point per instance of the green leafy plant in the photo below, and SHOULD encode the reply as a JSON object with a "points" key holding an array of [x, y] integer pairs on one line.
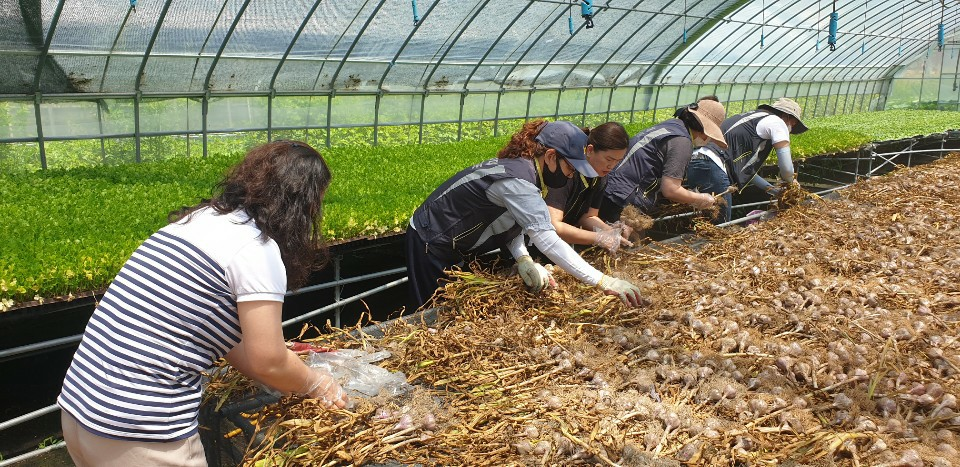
{"points": [[68, 230]]}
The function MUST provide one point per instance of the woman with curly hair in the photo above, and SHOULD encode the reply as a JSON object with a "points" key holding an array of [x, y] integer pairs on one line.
{"points": [[494, 204], [208, 285]]}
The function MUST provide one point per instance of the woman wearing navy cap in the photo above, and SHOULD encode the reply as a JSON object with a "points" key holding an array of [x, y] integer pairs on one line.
{"points": [[493, 204], [574, 202]]}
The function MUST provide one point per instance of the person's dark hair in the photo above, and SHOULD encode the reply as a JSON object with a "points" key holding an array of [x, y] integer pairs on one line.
{"points": [[280, 185], [523, 143], [686, 116], [608, 136]]}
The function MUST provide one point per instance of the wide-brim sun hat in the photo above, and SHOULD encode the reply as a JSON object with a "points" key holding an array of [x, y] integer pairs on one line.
{"points": [[710, 114], [570, 142], [789, 107]]}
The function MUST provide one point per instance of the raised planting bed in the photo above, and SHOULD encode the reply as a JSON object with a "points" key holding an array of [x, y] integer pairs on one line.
{"points": [[67, 232], [825, 336]]}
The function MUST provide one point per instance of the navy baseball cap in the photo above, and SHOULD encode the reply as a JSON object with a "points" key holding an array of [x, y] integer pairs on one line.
{"points": [[570, 142]]}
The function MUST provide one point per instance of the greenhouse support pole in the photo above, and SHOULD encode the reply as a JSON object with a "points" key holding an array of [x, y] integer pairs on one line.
{"points": [[656, 102], [423, 103], [273, 93], [837, 101], [136, 125], [496, 114], [463, 98], [556, 107], [526, 112], [204, 110], [103, 150], [583, 110], [330, 97], [337, 290], [376, 116], [36, 113]]}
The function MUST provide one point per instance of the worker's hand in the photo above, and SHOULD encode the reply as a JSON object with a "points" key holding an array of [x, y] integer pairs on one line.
{"points": [[703, 201], [533, 274], [611, 239], [628, 293], [325, 388]]}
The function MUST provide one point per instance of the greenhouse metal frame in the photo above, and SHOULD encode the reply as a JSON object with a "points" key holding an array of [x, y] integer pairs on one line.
{"points": [[313, 70]]}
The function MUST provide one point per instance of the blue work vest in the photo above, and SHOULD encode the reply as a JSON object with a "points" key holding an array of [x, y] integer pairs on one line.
{"points": [[746, 150], [457, 214], [637, 179]]}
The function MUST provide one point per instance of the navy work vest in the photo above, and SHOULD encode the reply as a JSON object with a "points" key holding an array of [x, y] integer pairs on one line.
{"points": [[457, 215], [746, 151], [637, 179]]}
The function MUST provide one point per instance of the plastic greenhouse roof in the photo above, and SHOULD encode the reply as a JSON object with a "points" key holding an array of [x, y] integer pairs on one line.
{"points": [[293, 47]]}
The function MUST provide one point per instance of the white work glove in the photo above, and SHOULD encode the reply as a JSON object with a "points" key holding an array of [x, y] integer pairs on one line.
{"points": [[533, 274], [611, 239], [321, 385], [629, 294], [703, 201]]}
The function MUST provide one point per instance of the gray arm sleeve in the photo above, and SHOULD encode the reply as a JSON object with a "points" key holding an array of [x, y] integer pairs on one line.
{"points": [[563, 255], [785, 163], [761, 183], [516, 247]]}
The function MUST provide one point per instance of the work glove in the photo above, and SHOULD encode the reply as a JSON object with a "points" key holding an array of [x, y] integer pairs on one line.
{"points": [[534, 275], [611, 239], [323, 387], [703, 201], [775, 191], [628, 293]]}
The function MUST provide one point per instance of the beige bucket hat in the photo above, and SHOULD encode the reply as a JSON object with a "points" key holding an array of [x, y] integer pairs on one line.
{"points": [[789, 107], [710, 114]]}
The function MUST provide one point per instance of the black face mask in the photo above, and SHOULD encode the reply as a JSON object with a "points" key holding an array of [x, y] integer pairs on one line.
{"points": [[556, 178]]}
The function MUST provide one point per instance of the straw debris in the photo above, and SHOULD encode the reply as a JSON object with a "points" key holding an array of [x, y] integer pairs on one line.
{"points": [[825, 336]]}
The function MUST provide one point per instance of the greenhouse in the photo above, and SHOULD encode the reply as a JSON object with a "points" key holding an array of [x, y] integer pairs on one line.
{"points": [[805, 316]]}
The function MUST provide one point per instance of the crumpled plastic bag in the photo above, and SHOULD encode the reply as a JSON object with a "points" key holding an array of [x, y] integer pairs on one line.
{"points": [[354, 369]]}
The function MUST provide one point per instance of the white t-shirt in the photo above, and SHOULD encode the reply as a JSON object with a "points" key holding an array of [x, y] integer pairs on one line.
{"points": [[773, 128]]}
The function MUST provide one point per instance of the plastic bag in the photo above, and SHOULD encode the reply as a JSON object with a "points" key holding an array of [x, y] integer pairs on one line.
{"points": [[356, 373]]}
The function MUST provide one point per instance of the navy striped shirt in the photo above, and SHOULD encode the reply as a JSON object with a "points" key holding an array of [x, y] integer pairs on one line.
{"points": [[167, 316]]}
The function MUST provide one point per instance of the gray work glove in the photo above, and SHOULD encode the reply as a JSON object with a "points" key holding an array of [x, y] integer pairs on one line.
{"points": [[629, 294], [534, 275]]}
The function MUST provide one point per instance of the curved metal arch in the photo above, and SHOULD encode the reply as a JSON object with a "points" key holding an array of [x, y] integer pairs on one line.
{"points": [[533, 82], [113, 46], [346, 56], [525, 52], [223, 45], [855, 65], [153, 40], [293, 42], [607, 61], [874, 56], [609, 57], [817, 62], [773, 44], [334, 46], [413, 31], [641, 49], [687, 74], [42, 61], [729, 41], [443, 56], [892, 65], [213, 25], [674, 45], [494, 44]]}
